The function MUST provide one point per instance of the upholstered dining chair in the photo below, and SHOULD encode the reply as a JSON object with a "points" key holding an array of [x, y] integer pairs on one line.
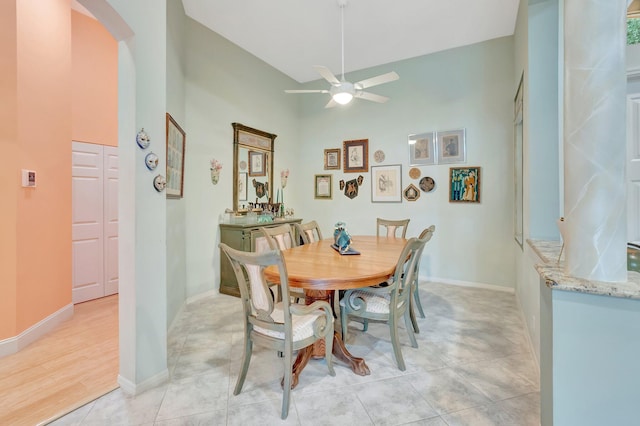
{"points": [[283, 238], [392, 227], [283, 326], [425, 235], [387, 304], [310, 231]]}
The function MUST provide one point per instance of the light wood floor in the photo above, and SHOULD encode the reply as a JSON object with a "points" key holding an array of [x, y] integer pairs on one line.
{"points": [[69, 367]]}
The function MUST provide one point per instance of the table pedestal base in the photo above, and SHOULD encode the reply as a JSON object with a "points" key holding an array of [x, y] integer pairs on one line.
{"points": [[317, 350]]}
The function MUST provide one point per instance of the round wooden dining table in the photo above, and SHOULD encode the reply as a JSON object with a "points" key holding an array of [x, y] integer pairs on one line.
{"points": [[320, 270]]}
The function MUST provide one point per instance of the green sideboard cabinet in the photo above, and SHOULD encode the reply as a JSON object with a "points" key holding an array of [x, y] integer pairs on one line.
{"points": [[241, 237]]}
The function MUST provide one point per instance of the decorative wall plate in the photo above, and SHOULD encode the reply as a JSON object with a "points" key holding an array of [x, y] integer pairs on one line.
{"points": [[142, 139], [414, 173], [243, 165], [378, 156], [151, 160], [427, 184], [159, 183], [411, 193]]}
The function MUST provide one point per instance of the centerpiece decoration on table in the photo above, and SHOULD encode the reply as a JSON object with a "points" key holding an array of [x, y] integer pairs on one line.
{"points": [[342, 239], [216, 168]]}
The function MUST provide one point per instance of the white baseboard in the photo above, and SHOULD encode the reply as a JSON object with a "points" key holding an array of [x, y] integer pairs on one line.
{"points": [[15, 344], [132, 389], [468, 284]]}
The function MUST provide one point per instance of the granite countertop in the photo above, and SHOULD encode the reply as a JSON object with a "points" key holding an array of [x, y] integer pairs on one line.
{"points": [[552, 270]]}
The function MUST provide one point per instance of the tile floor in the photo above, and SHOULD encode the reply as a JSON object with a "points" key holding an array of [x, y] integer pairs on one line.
{"points": [[473, 367]]}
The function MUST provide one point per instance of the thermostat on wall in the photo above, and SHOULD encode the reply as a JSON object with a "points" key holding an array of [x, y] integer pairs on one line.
{"points": [[28, 178]]}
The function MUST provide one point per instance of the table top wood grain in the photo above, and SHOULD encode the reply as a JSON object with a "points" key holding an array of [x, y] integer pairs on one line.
{"points": [[317, 266]]}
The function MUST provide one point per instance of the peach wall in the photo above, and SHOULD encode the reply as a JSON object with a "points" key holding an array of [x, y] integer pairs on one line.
{"points": [[44, 139], [94, 76], [8, 171]]}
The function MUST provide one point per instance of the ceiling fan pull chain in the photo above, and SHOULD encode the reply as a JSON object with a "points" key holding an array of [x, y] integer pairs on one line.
{"points": [[342, 5]]}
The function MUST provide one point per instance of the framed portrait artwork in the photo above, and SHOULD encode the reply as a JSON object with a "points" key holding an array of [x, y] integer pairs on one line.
{"points": [[176, 139], [356, 156], [452, 147], [386, 184], [256, 164], [464, 184], [243, 180], [332, 159], [422, 149], [323, 187]]}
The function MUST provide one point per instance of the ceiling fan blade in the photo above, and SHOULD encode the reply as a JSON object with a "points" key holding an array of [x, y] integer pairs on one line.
{"points": [[306, 91], [374, 81], [327, 74], [371, 97], [331, 103]]}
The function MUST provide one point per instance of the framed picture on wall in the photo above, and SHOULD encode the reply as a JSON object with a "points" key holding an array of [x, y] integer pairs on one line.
{"points": [[356, 155], [332, 159], [256, 164], [464, 184], [323, 187], [422, 149], [452, 147], [176, 139], [386, 184]]}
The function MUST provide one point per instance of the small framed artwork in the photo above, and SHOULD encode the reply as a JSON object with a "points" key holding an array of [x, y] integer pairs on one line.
{"points": [[464, 184], [411, 193], [242, 186], [422, 149], [256, 164], [452, 147], [323, 185], [356, 156], [386, 184], [176, 139], [332, 159]]}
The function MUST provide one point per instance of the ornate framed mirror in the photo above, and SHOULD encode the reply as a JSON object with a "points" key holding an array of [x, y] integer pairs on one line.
{"points": [[252, 166]]}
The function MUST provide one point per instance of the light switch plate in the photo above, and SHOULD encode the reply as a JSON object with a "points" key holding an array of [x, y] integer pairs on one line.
{"points": [[28, 178]]}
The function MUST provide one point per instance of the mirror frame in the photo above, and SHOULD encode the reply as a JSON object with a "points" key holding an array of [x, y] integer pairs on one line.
{"points": [[256, 140]]}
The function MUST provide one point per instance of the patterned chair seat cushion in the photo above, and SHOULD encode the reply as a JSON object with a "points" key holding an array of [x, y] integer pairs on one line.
{"points": [[302, 326], [376, 303]]}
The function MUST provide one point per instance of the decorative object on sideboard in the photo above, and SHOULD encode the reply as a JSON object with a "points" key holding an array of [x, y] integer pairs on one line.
{"points": [[216, 168], [151, 160], [159, 183], [562, 227], [142, 139]]}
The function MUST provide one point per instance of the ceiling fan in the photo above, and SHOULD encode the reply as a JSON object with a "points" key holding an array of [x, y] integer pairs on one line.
{"points": [[342, 91]]}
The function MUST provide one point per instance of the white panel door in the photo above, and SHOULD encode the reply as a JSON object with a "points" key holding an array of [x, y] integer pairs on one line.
{"points": [[633, 167], [87, 222], [110, 220]]}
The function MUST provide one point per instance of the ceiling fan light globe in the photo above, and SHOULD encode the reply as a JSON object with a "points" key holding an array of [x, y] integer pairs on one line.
{"points": [[342, 98]]}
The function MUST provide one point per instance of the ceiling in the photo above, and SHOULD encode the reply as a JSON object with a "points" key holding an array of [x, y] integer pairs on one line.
{"points": [[294, 35]]}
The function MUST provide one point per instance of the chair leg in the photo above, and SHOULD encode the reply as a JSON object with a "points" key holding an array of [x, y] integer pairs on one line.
{"points": [[409, 325], [328, 352], [414, 321], [246, 359], [395, 342], [286, 396], [344, 320], [416, 296]]}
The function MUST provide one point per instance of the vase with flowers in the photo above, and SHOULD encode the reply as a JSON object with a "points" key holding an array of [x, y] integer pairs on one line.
{"points": [[216, 168]]}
